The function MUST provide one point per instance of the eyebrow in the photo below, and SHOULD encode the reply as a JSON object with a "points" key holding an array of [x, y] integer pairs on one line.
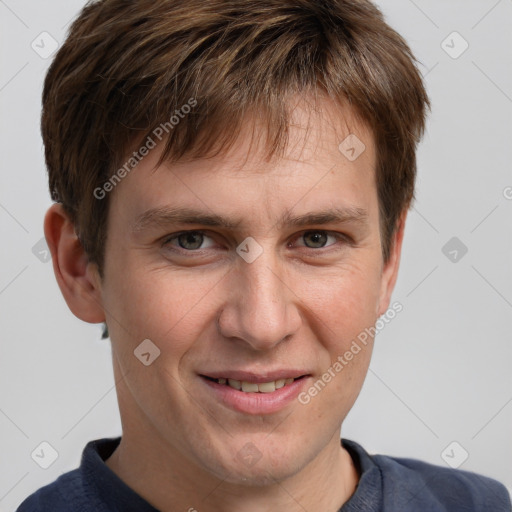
{"points": [[168, 215]]}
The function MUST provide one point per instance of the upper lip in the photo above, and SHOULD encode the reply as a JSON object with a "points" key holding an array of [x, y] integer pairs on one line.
{"points": [[256, 377]]}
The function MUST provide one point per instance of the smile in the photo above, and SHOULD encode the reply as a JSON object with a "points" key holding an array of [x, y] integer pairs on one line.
{"points": [[255, 395], [253, 387]]}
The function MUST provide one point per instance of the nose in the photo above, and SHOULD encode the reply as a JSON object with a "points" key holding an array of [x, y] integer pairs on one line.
{"points": [[261, 308]]}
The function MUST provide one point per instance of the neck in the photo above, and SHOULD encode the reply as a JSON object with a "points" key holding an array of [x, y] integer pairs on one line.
{"points": [[169, 481]]}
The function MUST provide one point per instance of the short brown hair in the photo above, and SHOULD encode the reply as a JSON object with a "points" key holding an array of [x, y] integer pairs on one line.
{"points": [[127, 65]]}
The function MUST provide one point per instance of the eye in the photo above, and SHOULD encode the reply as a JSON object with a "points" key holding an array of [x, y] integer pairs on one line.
{"points": [[319, 239], [189, 240]]}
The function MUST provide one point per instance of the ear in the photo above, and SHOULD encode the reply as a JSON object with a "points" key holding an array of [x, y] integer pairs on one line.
{"points": [[390, 269], [78, 279]]}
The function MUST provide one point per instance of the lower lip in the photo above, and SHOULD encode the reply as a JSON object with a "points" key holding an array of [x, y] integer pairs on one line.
{"points": [[256, 403]]}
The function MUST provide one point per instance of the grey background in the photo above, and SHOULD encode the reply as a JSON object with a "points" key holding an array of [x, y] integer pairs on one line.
{"points": [[441, 369]]}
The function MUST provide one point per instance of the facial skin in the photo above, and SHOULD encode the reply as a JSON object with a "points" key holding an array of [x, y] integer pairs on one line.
{"points": [[296, 307]]}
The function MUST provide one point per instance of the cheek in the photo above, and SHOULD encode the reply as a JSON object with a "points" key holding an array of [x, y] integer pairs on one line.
{"points": [[172, 311], [345, 312], [345, 301], [166, 306], [344, 307]]}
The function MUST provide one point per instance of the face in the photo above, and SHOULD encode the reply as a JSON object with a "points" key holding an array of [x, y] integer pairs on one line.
{"points": [[246, 273]]}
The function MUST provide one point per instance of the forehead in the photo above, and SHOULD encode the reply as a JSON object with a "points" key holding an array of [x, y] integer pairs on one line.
{"points": [[329, 161]]}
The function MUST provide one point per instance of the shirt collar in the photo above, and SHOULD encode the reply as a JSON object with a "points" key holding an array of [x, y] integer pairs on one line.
{"points": [[101, 481], [368, 493]]}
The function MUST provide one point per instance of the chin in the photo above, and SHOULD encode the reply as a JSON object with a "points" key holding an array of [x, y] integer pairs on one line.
{"points": [[262, 475], [254, 469]]}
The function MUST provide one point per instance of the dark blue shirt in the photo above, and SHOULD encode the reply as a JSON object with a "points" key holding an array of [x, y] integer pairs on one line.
{"points": [[387, 484]]}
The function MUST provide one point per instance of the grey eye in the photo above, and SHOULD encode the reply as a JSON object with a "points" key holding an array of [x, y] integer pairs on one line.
{"points": [[317, 239], [190, 241]]}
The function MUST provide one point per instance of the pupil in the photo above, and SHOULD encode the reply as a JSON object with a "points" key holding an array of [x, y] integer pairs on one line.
{"points": [[317, 238], [190, 240]]}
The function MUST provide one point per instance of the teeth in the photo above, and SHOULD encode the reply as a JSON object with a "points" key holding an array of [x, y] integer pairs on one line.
{"points": [[252, 387], [235, 384], [249, 387], [266, 387], [280, 383]]}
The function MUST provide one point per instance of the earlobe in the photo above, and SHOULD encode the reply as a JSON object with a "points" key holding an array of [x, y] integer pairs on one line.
{"points": [[390, 270], [78, 279]]}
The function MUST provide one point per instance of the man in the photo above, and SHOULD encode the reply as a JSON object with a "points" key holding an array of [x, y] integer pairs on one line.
{"points": [[232, 181]]}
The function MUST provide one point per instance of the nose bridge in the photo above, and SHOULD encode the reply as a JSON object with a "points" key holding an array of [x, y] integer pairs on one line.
{"points": [[261, 310]]}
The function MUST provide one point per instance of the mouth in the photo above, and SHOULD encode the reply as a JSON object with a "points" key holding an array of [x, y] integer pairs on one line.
{"points": [[252, 394], [254, 387]]}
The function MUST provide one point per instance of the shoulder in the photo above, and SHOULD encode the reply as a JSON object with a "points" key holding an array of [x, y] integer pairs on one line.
{"points": [[411, 484], [453, 489], [79, 490], [64, 494]]}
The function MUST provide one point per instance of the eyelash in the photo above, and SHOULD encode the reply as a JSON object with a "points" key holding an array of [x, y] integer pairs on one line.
{"points": [[340, 237]]}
